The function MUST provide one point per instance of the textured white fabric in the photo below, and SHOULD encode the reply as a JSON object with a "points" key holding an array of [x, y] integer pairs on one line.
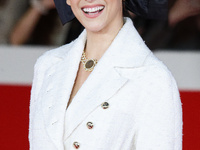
{"points": [[144, 106]]}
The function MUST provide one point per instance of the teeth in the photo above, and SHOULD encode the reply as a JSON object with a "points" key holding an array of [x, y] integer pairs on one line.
{"points": [[92, 10]]}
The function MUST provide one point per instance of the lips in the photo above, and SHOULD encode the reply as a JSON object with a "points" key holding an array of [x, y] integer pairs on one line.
{"points": [[93, 11]]}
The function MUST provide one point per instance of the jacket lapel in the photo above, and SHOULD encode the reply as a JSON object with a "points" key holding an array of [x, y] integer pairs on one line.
{"points": [[59, 83], [101, 85]]}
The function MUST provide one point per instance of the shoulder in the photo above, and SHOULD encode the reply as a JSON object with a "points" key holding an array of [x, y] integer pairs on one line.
{"points": [[151, 70], [152, 76], [156, 68], [158, 77], [53, 56]]}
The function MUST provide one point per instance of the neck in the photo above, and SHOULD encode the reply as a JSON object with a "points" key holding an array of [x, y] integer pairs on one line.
{"points": [[98, 42]]}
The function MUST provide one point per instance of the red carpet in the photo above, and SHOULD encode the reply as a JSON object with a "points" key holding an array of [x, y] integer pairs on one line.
{"points": [[14, 103]]}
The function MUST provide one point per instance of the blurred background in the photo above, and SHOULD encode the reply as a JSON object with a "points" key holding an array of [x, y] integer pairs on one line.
{"points": [[28, 28]]}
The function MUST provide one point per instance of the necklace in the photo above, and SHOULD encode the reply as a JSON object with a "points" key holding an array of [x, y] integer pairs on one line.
{"points": [[88, 64]]}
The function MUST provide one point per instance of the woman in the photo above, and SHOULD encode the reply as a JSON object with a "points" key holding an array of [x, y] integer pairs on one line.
{"points": [[104, 91]]}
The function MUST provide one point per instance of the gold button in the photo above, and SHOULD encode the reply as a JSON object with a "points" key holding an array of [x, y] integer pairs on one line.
{"points": [[76, 145], [90, 125], [105, 105]]}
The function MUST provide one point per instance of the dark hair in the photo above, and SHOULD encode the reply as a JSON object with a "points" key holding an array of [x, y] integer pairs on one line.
{"points": [[126, 13]]}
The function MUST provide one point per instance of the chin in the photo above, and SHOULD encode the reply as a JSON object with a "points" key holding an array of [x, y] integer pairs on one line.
{"points": [[96, 27], [93, 29]]}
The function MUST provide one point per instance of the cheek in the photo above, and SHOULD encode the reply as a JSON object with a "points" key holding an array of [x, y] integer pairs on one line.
{"points": [[74, 4]]}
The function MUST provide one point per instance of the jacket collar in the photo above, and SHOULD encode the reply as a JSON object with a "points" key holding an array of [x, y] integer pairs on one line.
{"points": [[126, 51]]}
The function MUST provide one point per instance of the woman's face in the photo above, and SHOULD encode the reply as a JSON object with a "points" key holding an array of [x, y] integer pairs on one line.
{"points": [[98, 15]]}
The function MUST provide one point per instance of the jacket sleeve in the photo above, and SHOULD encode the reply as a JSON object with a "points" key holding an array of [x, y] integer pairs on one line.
{"points": [[160, 127]]}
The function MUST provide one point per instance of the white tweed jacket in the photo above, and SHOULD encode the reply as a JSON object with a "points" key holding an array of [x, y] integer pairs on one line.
{"points": [[144, 110]]}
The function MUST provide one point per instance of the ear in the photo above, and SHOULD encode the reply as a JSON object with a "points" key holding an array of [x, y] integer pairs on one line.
{"points": [[68, 2]]}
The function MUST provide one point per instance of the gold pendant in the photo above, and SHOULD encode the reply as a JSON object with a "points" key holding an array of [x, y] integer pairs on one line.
{"points": [[90, 64]]}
